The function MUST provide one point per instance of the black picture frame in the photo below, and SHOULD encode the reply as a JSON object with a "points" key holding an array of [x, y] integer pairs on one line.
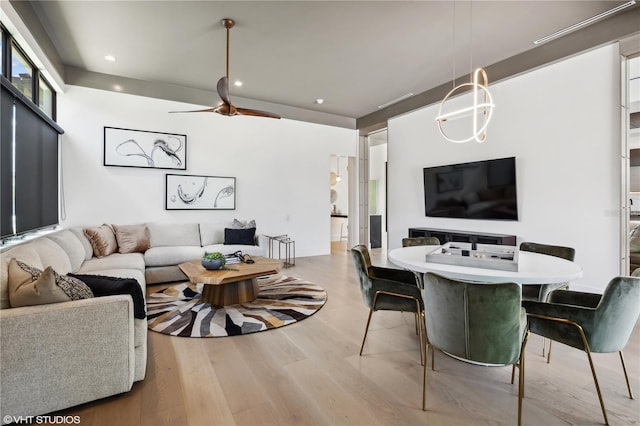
{"points": [[199, 192], [144, 149]]}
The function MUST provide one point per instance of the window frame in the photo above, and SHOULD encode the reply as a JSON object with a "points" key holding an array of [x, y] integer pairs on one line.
{"points": [[8, 43]]}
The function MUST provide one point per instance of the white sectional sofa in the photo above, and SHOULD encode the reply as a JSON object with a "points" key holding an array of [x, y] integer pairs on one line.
{"points": [[58, 355]]}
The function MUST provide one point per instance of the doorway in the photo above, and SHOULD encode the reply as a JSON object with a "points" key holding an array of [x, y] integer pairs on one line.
{"points": [[632, 125], [378, 189], [339, 202]]}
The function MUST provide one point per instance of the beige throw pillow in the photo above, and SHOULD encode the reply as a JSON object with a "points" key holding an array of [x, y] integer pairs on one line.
{"points": [[132, 238], [102, 239], [27, 290]]}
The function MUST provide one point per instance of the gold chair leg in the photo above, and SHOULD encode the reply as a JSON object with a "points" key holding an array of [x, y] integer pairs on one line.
{"points": [[549, 353], [366, 330], [595, 380], [626, 376], [521, 377], [424, 376], [587, 349], [433, 359]]}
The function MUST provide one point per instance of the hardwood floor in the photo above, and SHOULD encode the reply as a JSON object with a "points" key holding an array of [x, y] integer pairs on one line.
{"points": [[310, 373]]}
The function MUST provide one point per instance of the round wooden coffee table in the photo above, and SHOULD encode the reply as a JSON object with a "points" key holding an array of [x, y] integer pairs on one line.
{"points": [[231, 286]]}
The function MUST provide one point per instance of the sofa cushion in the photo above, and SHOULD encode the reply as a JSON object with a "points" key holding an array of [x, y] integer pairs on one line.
{"points": [[172, 234], [86, 244], [239, 236], [132, 238], [51, 254], [27, 288], [102, 239], [114, 261], [211, 233], [167, 256], [232, 248], [71, 245]]}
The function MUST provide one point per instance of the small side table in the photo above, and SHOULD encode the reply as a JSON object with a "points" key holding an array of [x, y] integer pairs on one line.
{"points": [[270, 241], [289, 251]]}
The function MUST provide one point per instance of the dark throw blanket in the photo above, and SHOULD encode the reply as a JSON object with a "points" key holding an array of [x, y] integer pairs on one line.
{"points": [[102, 285]]}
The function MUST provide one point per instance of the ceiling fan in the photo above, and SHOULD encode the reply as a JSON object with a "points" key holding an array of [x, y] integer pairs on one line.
{"points": [[227, 108]]}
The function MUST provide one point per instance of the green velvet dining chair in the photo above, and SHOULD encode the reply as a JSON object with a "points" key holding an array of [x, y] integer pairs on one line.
{"points": [[594, 323], [480, 322], [420, 241], [388, 289], [540, 292]]}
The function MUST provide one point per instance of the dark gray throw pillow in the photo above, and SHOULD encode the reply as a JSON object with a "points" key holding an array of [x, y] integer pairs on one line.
{"points": [[239, 236]]}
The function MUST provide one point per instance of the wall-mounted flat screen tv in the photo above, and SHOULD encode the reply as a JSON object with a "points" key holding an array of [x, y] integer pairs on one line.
{"points": [[478, 190]]}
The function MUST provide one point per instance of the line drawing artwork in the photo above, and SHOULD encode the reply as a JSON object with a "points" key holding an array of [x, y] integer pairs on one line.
{"points": [[141, 148], [159, 144], [190, 199], [227, 191], [192, 192]]}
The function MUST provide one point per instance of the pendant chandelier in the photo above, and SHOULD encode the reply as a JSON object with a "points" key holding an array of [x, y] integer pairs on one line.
{"points": [[480, 110]]}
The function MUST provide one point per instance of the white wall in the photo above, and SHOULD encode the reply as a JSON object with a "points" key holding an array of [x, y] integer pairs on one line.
{"points": [[561, 122], [281, 166]]}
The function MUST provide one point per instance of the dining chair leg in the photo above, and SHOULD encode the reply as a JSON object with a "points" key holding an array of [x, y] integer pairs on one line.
{"points": [[549, 353], [424, 376], [626, 376], [366, 330], [521, 377], [595, 380]]}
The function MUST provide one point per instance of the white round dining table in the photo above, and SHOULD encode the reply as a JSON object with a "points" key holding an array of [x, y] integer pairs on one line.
{"points": [[533, 268]]}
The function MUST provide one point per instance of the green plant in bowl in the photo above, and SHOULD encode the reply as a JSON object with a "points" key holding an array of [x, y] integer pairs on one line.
{"points": [[213, 260]]}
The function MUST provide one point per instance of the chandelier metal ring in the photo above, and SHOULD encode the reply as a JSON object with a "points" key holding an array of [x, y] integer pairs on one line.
{"points": [[484, 108]]}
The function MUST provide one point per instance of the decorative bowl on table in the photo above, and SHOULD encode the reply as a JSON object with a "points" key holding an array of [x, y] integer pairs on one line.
{"points": [[213, 261]]}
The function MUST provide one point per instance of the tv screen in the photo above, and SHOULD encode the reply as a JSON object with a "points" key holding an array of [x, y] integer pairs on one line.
{"points": [[477, 190]]}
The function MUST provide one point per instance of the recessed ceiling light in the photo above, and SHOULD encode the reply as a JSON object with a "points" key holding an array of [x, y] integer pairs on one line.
{"points": [[109, 58], [237, 83], [117, 88], [319, 101]]}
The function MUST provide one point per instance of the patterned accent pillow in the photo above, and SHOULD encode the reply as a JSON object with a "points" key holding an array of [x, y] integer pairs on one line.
{"points": [[72, 287], [238, 224]]}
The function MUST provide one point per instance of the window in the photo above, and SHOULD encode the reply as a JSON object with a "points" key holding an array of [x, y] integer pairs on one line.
{"points": [[28, 145], [21, 72], [45, 96]]}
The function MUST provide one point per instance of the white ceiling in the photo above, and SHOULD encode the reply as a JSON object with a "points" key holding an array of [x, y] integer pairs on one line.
{"points": [[356, 55]]}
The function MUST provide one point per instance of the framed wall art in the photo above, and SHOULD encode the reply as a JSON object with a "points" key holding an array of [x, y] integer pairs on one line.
{"points": [[193, 192], [141, 148]]}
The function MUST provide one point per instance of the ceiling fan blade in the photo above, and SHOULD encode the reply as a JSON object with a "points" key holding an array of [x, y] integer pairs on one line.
{"points": [[256, 113], [223, 90], [197, 110]]}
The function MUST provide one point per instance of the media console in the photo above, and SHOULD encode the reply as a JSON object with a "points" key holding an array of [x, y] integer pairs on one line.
{"points": [[448, 235]]}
